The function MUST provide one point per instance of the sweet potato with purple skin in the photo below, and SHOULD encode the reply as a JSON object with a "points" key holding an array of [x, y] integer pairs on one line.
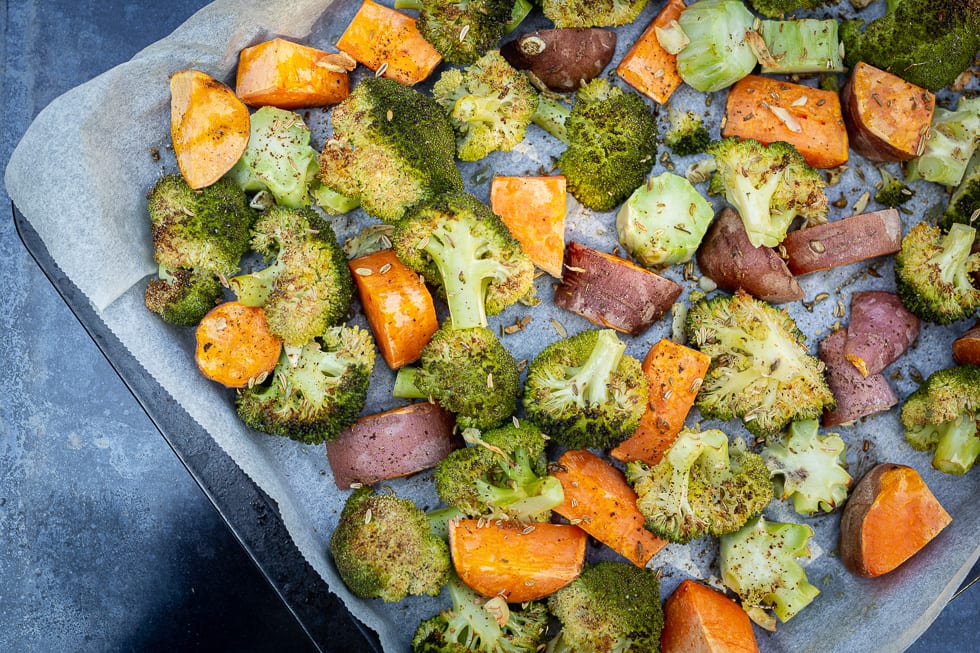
{"points": [[728, 258], [612, 292], [856, 395], [842, 242], [966, 348], [880, 331], [563, 58], [391, 444]]}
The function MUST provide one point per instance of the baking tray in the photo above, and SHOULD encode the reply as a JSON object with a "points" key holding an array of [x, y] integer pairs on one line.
{"points": [[246, 510]]}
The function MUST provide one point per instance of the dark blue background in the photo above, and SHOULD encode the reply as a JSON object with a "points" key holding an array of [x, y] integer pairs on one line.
{"points": [[106, 543]]}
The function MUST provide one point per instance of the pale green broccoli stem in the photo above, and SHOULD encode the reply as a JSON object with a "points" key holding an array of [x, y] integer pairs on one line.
{"points": [[439, 520], [253, 289], [469, 623], [315, 374], [801, 46], [405, 387], [474, 108], [333, 202], [527, 494], [551, 116], [957, 443], [954, 262], [521, 9], [592, 379], [753, 204]]}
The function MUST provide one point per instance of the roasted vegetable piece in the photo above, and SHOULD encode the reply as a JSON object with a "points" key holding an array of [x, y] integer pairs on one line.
{"points": [[383, 548], [842, 242], [308, 286], [800, 46], [880, 331], [533, 208], [592, 13], [893, 191], [290, 75], [316, 390], [761, 369], [768, 185], [953, 138], [469, 373], [773, 8], [890, 516], [699, 488], [759, 564], [687, 134], [808, 467], [964, 205], [966, 348], [503, 475], [611, 607], [699, 619], [943, 415], [933, 273], [462, 32], [719, 53], [563, 59], [393, 148], [584, 391], [235, 346], [475, 623], [855, 395], [648, 67]]}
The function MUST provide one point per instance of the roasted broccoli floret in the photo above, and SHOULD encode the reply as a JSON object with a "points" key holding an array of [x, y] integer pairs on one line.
{"points": [[953, 138], [592, 13], [611, 138], [964, 205], [932, 273], [943, 415], [612, 607], [490, 103], [761, 369], [925, 42], [808, 467], [759, 564], [392, 149], [584, 391], [687, 134], [461, 30], [700, 487], [773, 8], [469, 373], [893, 191], [476, 624], [768, 185], [718, 53], [503, 475], [464, 249], [316, 390], [308, 286], [383, 548], [278, 158], [198, 238]]}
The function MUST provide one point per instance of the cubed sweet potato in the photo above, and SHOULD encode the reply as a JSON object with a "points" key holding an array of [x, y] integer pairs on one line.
{"points": [[698, 619]]}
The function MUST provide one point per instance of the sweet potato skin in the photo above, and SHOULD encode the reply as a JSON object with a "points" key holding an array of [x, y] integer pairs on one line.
{"points": [[562, 58], [856, 395], [881, 329], [966, 348], [842, 242], [889, 517], [698, 619]]}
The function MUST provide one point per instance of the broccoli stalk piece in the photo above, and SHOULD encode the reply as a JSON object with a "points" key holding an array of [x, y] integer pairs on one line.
{"points": [[719, 53], [700, 488], [893, 192], [463, 248], [611, 138], [383, 548], [761, 369], [773, 8], [462, 30], [687, 134], [490, 103], [932, 273], [316, 390], [808, 468], [469, 373], [953, 138], [769, 185], [611, 607], [392, 149], [759, 564], [943, 414], [800, 46], [964, 204], [308, 287], [592, 13], [926, 43], [504, 475], [584, 391], [480, 625], [199, 236]]}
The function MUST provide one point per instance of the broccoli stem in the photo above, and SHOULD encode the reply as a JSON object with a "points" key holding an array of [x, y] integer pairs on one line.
{"points": [[551, 116], [753, 206], [333, 202], [465, 271], [952, 260], [439, 520], [521, 9], [253, 289], [414, 5], [592, 379], [958, 446], [405, 387]]}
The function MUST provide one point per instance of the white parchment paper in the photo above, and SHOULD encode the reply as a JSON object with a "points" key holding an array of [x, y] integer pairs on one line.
{"points": [[80, 176]]}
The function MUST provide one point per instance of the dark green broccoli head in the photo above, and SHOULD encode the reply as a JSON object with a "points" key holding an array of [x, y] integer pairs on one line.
{"points": [[183, 297], [700, 487], [964, 205], [592, 13], [761, 369], [687, 134], [504, 474], [925, 42], [611, 145], [205, 230], [893, 191], [943, 415], [392, 148], [308, 287], [461, 30], [584, 391], [769, 185], [383, 548], [490, 103], [469, 372], [774, 8], [464, 249], [476, 624], [316, 390], [611, 607], [933, 273]]}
